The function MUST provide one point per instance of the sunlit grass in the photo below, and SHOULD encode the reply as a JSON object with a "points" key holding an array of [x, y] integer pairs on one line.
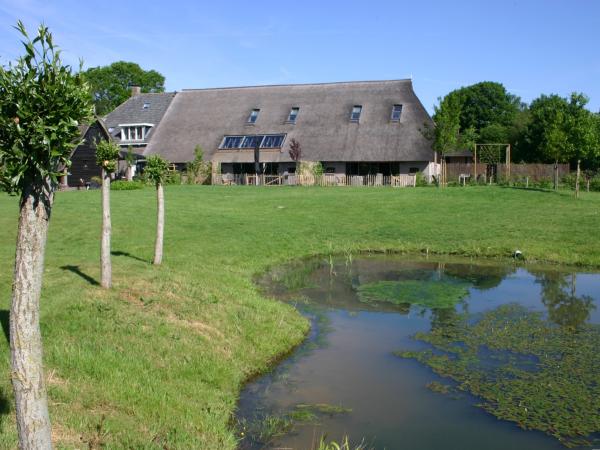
{"points": [[159, 360]]}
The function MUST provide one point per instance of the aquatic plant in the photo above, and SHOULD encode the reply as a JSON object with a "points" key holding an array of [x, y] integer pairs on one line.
{"points": [[432, 293], [344, 445], [524, 368], [323, 408]]}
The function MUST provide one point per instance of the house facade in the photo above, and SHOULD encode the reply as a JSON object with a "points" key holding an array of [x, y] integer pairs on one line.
{"points": [[351, 128], [130, 125]]}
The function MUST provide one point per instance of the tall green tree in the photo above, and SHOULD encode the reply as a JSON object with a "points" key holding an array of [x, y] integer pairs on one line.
{"points": [[107, 157], [562, 130], [447, 135], [42, 102], [156, 171], [111, 85]]}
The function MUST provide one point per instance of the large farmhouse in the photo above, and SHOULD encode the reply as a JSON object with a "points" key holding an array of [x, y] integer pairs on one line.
{"points": [[352, 128]]}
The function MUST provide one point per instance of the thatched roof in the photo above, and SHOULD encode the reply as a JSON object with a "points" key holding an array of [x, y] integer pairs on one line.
{"points": [[323, 127]]}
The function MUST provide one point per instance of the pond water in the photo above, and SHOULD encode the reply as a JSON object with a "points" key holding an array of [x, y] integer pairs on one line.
{"points": [[432, 354]]}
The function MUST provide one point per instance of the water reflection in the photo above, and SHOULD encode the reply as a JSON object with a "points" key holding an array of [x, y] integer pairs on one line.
{"points": [[356, 368], [559, 295]]}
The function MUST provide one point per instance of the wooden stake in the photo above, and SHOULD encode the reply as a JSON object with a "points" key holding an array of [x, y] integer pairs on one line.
{"points": [[577, 179]]}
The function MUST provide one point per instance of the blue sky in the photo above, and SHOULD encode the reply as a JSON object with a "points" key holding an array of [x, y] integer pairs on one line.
{"points": [[531, 46]]}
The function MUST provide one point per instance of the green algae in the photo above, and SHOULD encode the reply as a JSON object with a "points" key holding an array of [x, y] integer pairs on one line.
{"points": [[432, 293], [523, 367]]}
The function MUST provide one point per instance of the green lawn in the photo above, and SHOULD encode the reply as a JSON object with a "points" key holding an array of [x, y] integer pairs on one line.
{"points": [[158, 361]]}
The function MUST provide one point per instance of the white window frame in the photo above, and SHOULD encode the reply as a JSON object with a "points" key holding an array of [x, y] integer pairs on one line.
{"points": [[252, 114], [394, 110], [127, 128], [357, 119], [295, 116]]}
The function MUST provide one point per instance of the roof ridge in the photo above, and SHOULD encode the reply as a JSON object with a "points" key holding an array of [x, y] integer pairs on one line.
{"points": [[298, 84]]}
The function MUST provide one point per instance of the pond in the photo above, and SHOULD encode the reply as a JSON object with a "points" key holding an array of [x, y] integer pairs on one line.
{"points": [[428, 354]]}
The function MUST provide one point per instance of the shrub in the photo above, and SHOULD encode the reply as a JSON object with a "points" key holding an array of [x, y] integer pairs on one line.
{"points": [[421, 180], [173, 177], [122, 185]]}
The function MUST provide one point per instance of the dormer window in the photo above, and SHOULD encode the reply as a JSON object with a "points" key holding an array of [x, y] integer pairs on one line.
{"points": [[396, 113], [146, 106], [134, 132], [293, 115], [355, 115], [253, 116]]}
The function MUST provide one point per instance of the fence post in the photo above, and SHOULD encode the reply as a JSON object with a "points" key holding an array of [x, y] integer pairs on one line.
{"points": [[577, 179]]}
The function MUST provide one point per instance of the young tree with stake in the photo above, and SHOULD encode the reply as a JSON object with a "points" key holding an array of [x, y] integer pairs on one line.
{"points": [[156, 171], [42, 103], [107, 157]]}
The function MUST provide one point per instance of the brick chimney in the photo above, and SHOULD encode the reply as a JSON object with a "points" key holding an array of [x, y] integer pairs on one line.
{"points": [[135, 90]]}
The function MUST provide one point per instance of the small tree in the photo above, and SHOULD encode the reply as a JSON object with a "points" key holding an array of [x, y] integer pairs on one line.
{"points": [[107, 156], [41, 104], [446, 135], [295, 151], [197, 168], [156, 171]]}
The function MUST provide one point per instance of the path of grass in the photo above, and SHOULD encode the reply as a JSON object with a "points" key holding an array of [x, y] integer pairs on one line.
{"points": [[159, 360]]}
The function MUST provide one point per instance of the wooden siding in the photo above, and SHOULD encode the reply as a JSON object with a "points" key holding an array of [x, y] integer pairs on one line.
{"points": [[83, 161]]}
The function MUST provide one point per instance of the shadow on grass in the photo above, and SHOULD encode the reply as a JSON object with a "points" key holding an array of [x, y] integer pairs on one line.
{"points": [[536, 189], [129, 255], [4, 320], [85, 276]]}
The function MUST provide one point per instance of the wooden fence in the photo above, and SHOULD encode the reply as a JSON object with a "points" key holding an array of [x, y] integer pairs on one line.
{"points": [[534, 172], [315, 180]]}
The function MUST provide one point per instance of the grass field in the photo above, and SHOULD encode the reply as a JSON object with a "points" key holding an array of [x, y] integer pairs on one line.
{"points": [[158, 361]]}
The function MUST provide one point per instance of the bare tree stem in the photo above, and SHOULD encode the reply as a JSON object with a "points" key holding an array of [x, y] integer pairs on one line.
{"points": [[33, 420]]}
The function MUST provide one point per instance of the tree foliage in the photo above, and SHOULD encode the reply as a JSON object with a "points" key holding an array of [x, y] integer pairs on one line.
{"points": [[156, 169], [485, 104], [110, 85], [42, 103], [107, 155], [562, 130], [447, 135], [295, 150]]}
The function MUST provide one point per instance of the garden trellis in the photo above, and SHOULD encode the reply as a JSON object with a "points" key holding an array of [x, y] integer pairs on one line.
{"points": [[491, 155]]}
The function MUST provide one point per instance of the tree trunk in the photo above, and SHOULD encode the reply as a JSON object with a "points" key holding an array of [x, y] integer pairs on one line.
{"points": [[33, 421], [556, 175], [106, 232], [160, 223], [129, 172]]}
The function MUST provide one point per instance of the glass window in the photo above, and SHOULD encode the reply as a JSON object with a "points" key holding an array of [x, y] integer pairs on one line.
{"points": [[146, 105], [356, 110], [253, 116], [396, 113], [273, 141], [232, 141], [293, 115], [251, 141]]}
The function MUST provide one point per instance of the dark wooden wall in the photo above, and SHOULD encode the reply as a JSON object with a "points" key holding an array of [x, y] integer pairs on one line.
{"points": [[83, 162]]}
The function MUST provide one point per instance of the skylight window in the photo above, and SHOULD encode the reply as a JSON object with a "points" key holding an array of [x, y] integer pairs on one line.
{"points": [[396, 113], [247, 142], [252, 141], [355, 115], [253, 116], [232, 141], [273, 141], [293, 115]]}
